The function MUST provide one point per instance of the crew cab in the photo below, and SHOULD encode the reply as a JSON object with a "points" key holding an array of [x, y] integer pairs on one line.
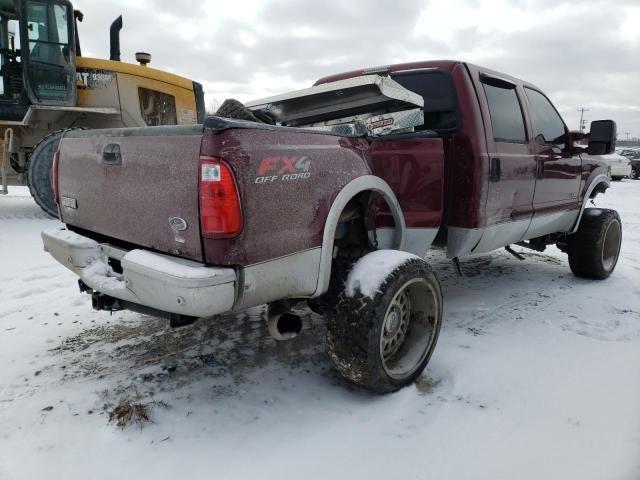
{"points": [[332, 195]]}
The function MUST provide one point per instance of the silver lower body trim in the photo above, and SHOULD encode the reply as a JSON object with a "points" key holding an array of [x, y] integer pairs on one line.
{"points": [[291, 276], [466, 241], [416, 240]]}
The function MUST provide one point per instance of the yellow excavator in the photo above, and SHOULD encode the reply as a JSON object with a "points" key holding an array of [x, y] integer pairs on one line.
{"points": [[47, 87]]}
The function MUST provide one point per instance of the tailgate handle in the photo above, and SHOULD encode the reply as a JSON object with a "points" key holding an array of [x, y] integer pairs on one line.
{"points": [[111, 154]]}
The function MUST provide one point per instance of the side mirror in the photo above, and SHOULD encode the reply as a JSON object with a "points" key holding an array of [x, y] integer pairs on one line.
{"points": [[602, 137]]}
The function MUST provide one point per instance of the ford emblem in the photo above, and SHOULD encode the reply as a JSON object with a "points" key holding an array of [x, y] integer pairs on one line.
{"points": [[177, 224]]}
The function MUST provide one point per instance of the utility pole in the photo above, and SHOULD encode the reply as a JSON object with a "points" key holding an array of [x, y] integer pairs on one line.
{"points": [[582, 110], [627, 134]]}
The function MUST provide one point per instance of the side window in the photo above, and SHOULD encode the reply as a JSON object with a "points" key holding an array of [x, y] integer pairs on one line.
{"points": [[157, 108], [438, 92], [546, 119], [48, 33], [507, 121]]}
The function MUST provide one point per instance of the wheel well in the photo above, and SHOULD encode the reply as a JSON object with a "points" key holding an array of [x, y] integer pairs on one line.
{"points": [[598, 189], [357, 221], [601, 184], [346, 223], [355, 234]]}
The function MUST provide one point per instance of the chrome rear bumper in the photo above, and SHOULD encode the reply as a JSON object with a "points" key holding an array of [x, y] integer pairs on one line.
{"points": [[154, 280]]}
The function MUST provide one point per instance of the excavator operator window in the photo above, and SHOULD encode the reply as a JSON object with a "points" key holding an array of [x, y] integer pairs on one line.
{"points": [[47, 30], [49, 51], [157, 108]]}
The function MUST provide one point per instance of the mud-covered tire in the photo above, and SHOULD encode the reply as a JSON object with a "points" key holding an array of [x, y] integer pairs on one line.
{"points": [[594, 249], [39, 172], [361, 328]]}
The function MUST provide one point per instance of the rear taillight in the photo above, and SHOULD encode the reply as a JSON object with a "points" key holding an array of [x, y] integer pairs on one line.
{"points": [[220, 213], [54, 176]]}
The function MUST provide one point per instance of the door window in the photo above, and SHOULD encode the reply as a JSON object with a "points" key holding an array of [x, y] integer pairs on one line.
{"points": [[48, 33], [546, 119], [507, 121], [48, 50]]}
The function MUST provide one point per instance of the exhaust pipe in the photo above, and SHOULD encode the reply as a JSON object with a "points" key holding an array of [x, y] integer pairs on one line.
{"points": [[114, 39], [282, 323]]}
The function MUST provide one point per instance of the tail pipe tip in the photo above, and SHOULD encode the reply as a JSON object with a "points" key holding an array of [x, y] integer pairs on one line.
{"points": [[282, 323]]}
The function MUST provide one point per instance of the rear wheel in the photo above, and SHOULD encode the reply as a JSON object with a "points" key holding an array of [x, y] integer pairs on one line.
{"points": [[39, 172], [594, 249], [384, 339], [635, 173]]}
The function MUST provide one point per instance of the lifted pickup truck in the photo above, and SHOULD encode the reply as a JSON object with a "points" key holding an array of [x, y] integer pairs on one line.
{"points": [[333, 198]]}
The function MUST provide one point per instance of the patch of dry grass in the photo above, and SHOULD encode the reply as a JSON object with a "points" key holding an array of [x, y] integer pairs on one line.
{"points": [[128, 412]]}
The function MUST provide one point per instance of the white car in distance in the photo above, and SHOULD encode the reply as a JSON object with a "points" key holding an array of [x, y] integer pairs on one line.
{"points": [[619, 166]]}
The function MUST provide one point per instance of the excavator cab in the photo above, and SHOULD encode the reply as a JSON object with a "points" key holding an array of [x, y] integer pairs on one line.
{"points": [[37, 51]]}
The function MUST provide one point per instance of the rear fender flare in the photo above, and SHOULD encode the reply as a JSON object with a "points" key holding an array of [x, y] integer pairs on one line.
{"points": [[601, 180], [348, 192]]}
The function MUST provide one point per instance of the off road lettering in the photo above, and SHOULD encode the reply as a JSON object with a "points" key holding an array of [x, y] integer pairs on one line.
{"points": [[283, 169]]}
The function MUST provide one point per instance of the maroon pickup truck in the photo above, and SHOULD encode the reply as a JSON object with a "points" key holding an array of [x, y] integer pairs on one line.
{"points": [[332, 196]]}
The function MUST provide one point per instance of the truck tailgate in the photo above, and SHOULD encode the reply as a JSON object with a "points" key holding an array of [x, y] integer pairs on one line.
{"points": [[137, 185]]}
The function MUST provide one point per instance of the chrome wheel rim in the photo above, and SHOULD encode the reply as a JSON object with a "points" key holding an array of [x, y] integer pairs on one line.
{"points": [[409, 328], [395, 324], [611, 245]]}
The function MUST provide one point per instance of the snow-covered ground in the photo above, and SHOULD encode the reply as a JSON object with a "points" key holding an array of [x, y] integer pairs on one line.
{"points": [[536, 376]]}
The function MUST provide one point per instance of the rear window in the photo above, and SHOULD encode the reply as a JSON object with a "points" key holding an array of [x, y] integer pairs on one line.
{"points": [[437, 90], [506, 115]]}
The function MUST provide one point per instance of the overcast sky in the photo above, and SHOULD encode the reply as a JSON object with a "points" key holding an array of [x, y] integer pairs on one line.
{"points": [[581, 53]]}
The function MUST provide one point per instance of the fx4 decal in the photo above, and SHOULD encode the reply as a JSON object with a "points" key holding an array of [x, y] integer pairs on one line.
{"points": [[283, 169]]}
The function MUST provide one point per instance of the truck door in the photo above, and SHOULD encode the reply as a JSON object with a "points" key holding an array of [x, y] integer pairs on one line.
{"points": [[558, 169], [512, 165], [48, 52]]}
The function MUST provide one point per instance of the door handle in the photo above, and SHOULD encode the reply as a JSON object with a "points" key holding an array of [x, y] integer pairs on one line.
{"points": [[494, 171], [111, 154], [540, 169]]}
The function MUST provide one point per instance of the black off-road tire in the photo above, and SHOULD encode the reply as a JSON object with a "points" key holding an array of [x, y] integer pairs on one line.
{"points": [[616, 179], [356, 324], [232, 108], [635, 173], [325, 304], [594, 249], [39, 172]]}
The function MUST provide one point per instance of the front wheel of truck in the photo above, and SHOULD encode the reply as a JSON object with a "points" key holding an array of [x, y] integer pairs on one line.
{"points": [[594, 249], [385, 325]]}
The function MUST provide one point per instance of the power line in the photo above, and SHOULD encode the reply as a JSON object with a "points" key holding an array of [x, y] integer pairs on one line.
{"points": [[582, 121]]}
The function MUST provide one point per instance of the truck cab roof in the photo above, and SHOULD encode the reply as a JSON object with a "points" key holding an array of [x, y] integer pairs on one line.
{"points": [[447, 65]]}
